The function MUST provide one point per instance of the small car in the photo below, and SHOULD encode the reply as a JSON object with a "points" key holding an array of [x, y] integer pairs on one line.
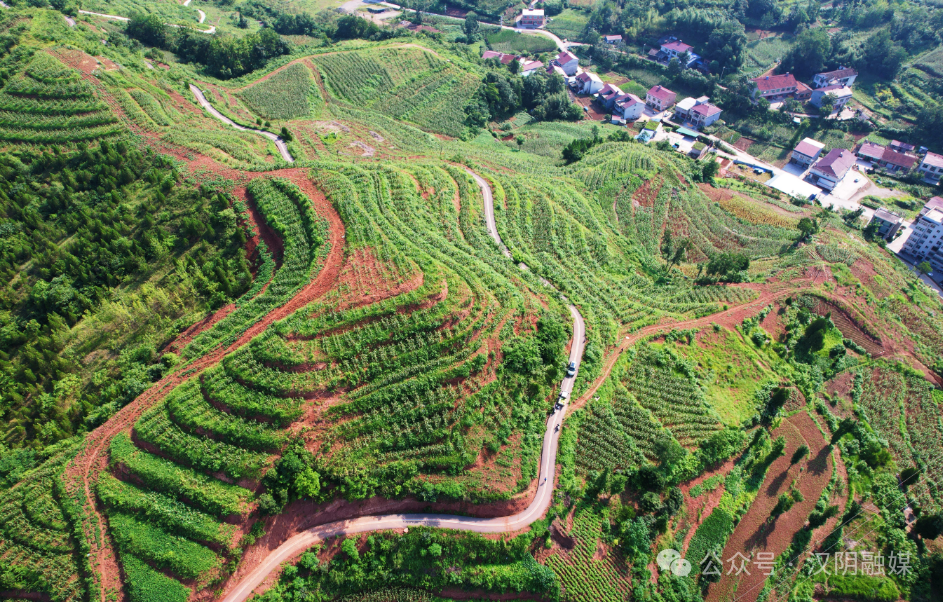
{"points": [[571, 369]]}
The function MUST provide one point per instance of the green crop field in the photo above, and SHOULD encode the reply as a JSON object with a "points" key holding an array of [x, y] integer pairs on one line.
{"points": [[512, 42], [404, 83], [249, 328], [287, 94], [569, 24]]}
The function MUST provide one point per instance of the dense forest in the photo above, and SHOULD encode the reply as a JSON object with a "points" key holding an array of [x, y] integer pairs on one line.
{"points": [[83, 229]]}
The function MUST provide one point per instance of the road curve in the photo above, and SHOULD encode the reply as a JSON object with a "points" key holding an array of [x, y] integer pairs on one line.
{"points": [[536, 509], [279, 143]]}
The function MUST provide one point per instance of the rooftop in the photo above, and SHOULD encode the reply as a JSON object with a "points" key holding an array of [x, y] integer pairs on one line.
{"points": [[661, 93], [809, 147], [565, 57], [900, 159], [903, 145], [838, 73], [872, 150], [687, 104], [615, 38], [531, 65], [887, 216], [539, 12], [934, 215], [706, 109], [836, 163], [934, 203], [934, 160], [775, 82], [676, 46], [837, 89]]}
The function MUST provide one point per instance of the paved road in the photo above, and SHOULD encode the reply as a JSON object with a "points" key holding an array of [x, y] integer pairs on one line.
{"points": [[211, 30], [104, 16], [279, 143], [534, 511]]}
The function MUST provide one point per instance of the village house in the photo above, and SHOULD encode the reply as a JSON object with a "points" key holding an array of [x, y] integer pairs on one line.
{"points": [[587, 83], [616, 39], [901, 147], [830, 169], [932, 166], [897, 162], [660, 98], [840, 96], [843, 76], [924, 242], [774, 87], [674, 49], [869, 151], [629, 106], [532, 18], [607, 96], [504, 59], [529, 67], [887, 222], [803, 92], [806, 152], [704, 114], [567, 62]]}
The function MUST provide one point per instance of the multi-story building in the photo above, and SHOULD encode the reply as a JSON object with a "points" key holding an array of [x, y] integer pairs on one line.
{"points": [[806, 152], [532, 18], [887, 222], [840, 96], [932, 166], [843, 76], [926, 238], [660, 98], [704, 114], [774, 87], [567, 62], [830, 169]]}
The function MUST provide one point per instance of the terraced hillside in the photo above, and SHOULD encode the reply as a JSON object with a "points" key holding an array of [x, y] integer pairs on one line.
{"points": [[386, 333], [50, 103]]}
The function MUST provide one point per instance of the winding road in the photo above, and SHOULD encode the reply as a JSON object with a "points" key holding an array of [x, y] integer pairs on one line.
{"points": [[534, 511], [279, 142]]}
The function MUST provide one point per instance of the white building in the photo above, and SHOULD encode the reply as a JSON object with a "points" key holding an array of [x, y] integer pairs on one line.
{"points": [[841, 76], [568, 62], [630, 106], [924, 243], [588, 83], [830, 169], [932, 166], [806, 152], [840, 95], [704, 114]]}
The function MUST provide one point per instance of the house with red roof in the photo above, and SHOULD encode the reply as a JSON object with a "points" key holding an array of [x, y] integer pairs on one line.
{"points": [[806, 152], [532, 18], [587, 83], [774, 87], [629, 105], [660, 98], [704, 114], [608, 94], [897, 162], [529, 67], [843, 76], [932, 167], [870, 151], [830, 169], [568, 62]]}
